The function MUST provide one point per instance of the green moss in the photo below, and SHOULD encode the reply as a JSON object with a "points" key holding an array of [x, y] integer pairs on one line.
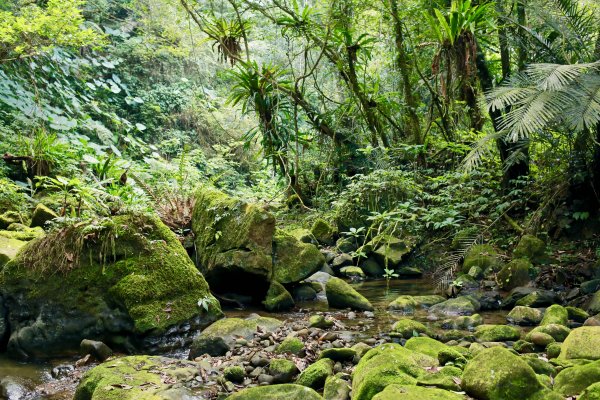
{"points": [[577, 314], [133, 378], [234, 374], [524, 316], [410, 392], [294, 260], [465, 322], [278, 298], [404, 304], [26, 235], [514, 274], [572, 381], [439, 380], [498, 374], [464, 305], [10, 217], [385, 365], [314, 376], [497, 333], [276, 392], [553, 350], [352, 272], [408, 328], [291, 345], [336, 388], [591, 393], [555, 314], [539, 366], [282, 370], [390, 251], [594, 305], [341, 295], [452, 356], [319, 321], [323, 231], [483, 256], [558, 332], [9, 249], [582, 343], [41, 215], [529, 247], [425, 345]]}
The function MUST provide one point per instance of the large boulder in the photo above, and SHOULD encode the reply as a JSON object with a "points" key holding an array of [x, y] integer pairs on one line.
{"points": [[524, 316], [555, 314], [240, 251], [125, 281], [498, 374], [530, 247], [219, 338], [572, 381], [342, 295], [139, 378], [277, 392], [41, 215], [497, 333], [315, 375], [464, 305], [386, 365], [514, 274], [483, 256], [582, 343], [411, 392], [278, 298], [323, 231], [390, 251]]}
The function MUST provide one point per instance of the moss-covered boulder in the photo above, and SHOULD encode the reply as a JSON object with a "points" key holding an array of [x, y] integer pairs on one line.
{"points": [[538, 298], [524, 316], [352, 272], [24, 233], [336, 388], [278, 298], [464, 305], [319, 321], [126, 281], [219, 337], [426, 345], [465, 322], [390, 251], [9, 249], [386, 365], [594, 304], [315, 375], [138, 378], [234, 373], [530, 247], [483, 256], [411, 392], [41, 215], [282, 370], [582, 343], [553, 350], [514, 274], [342, 295], [497, 333], [404, 304], [10, 217], [291, 345], [293, 260], [555, 314], [338, 354], [592, 392], [323, 231], [498, 374], [572, 381], [442, 379], [558, 332], [277, 392], [407, 328], [577, 314]]}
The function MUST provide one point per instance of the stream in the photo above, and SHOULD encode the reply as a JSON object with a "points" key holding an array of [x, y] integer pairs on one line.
{"points": [[36, 377]]}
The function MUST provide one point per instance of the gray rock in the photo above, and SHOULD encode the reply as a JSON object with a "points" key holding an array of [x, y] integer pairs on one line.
{"points": [[304, 293], [61, 371], [12, 389], [372, 268], [95, 348], [343, 260]]}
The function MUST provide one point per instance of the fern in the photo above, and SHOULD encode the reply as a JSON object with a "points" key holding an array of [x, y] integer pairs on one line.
{"points": [[444, 274]]}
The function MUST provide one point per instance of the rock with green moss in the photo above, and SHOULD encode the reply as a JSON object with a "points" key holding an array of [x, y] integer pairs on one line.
{"points": [[404, 304], [555, 314], [234, 374], [315, 375], [498, 374], [524, 316], [465, 322], [411, 392], [303, 235], [530, 247], [352, 272], [336, 388], [514, 274], [338, 354], [294, 260], [10, 217], [572, 381], [452, 356], [497, 333], [346, 245], [524, 347], [342, 295], [538, 298], [553, 350], [282, 370], [25, 234], [592, 392], [390, 251], [220, 337], [558, 332], [291, 345], [41, 215], [278, 298], [594, 304], [577, 314], [125, 280], [407, 328], [138, 378], [463, 305], [425, 345], [323, 231], [539, 365], [439, 380], [540, 339], [386, 365], [483, 256], [319, 321], [582, 343], [276, 392], [9, 249]]}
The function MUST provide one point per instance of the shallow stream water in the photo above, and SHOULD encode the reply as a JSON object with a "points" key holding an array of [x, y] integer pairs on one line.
{"points": [[37, 379]]}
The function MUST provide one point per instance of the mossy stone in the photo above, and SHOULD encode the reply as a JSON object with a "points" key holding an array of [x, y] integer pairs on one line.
{"points": [[594, 304], [411, 392], [530, 247], [341, 295], [345, 245], [498, 374], [234, 374], [303, 235], [452, 356], [10, 217], [439, 380], [572, 381], [278, 298], [404, 304], [41, 215], [390, 251], [407, 328], [524, 316], [558, 332], [127, 274], [134, 378], [319, 321], [537, 298], [352, 272], [539, 365], [323, 231], [294, 260], [341, 354], [425, 345], [463, 305], [336, 388], [9, 249], [555, 314], [314, 375], [291, 345], [465, 322], [25, 235], [553, 350], [385, 365], [276, 392], [577, 314], [540, 339], [523, 347], [582, 343], [497, 333], [282, 370], [592, 392], [514, 274], [372, 268], [483, 256]]}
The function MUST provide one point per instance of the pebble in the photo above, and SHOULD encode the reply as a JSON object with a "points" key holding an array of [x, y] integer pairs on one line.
{"points": [[265, 379]]}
